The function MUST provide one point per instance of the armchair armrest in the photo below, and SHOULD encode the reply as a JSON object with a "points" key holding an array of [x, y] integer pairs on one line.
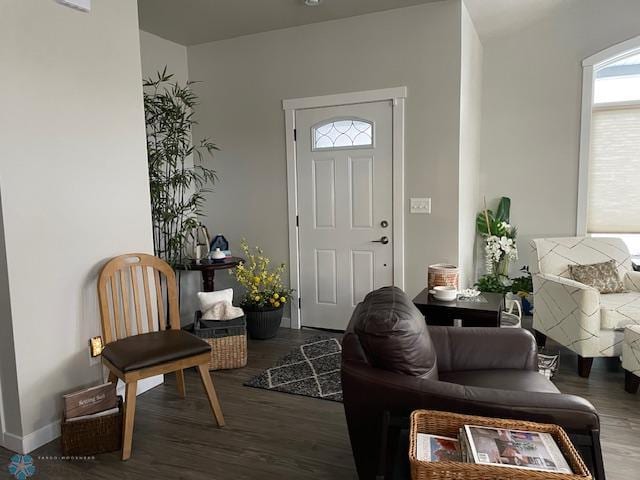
{"points": [[484, 348], [567, 311], [632, 281]]}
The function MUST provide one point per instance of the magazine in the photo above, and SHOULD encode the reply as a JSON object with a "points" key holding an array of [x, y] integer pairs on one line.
{"points": [[434, 448], [514, 448]]}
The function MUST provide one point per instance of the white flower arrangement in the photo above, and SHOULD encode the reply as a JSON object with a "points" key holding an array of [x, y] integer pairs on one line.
{"points": [[500, 248]]}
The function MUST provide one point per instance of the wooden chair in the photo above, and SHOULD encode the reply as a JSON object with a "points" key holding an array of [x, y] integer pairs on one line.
{"points": [[141, 347]]}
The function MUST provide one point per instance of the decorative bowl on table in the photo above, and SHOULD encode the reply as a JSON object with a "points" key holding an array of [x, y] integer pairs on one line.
{"points": [[445, 293]]}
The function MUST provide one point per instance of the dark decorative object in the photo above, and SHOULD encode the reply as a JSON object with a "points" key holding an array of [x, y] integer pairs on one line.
{"points": [[312, 370], [264, 323], [219, 242]]}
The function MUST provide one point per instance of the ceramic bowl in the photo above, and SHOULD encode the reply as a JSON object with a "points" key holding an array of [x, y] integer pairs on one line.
{"points": [[446, 294]]}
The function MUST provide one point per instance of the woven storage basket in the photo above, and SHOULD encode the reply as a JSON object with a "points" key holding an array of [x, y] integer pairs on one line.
{"points": [[228, 340], [92, 436], [442, 275], [447, 424]]}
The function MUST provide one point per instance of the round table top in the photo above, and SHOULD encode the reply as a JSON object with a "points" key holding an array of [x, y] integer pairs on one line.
{"points": [[207, 264]]}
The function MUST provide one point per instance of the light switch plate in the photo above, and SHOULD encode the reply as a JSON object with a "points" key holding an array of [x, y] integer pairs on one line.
{"points": [[82, 5], [421, 205]]}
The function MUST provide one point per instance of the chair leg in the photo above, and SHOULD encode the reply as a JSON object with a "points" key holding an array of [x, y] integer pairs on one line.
{"points": [[112, 377], [180, 382], [631, 382], [541, 338], [211, 393], [584, 366], [129, 416]]}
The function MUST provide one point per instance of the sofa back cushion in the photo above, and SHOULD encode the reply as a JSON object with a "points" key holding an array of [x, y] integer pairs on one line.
{"points": [[393, 334], [554, 255]]}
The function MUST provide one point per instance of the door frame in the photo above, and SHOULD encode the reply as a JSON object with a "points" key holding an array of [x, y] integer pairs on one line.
{"points": [[396, 96]]}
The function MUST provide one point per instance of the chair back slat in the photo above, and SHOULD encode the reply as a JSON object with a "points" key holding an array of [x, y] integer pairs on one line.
{"points": [[119, 305], [147, 298], [124, 289], [116, 309], [136, 297], [159, 298]]}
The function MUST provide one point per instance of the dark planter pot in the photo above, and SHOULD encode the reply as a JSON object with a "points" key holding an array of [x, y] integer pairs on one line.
{"points": [[263, 324]]}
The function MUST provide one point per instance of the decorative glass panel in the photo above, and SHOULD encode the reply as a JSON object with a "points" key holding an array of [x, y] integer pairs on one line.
{"points": [[343, 133]]}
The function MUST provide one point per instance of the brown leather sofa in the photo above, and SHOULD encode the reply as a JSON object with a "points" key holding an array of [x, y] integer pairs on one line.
{"points": [[393, 364]]}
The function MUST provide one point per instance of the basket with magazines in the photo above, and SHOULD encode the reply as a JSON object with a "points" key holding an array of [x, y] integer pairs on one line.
{"points": [[446, 445]]}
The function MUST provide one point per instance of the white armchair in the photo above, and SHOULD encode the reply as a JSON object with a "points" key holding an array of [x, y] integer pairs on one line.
{"points": [[576, 315]]}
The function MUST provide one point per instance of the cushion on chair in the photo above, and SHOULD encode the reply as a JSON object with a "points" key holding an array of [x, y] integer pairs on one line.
{"points": [[619, 309], [394, 335], [520, 380], [601, 276], [155, 348]]}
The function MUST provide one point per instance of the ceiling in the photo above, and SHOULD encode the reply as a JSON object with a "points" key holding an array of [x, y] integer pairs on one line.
{"points": [[189, 22]]}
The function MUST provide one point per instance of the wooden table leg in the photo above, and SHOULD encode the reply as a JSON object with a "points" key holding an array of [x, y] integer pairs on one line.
{"points": [[208, 280]]}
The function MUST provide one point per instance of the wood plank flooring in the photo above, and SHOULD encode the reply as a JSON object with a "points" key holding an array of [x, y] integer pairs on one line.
{"points": [[271, 435]]}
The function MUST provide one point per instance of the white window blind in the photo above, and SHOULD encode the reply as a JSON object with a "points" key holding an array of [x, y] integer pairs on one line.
{"points": [[614, 171]]}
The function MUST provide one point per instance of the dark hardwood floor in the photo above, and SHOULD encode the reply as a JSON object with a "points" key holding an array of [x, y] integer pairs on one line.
{"points": [[271, 435]]}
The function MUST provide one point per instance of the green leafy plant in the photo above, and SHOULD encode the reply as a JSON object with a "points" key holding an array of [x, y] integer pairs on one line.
{"points": [[490, 223], [177, 182], [523, 285], [491, 283], [264, 287]]}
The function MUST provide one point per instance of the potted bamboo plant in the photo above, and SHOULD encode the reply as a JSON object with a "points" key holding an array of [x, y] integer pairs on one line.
{"points": [[265, 296]]}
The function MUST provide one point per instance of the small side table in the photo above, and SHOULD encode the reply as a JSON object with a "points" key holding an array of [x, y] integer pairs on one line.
{"points": [[208, 269], [482, 311]]}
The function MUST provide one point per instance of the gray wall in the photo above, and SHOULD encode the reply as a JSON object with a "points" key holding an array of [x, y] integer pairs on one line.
{"points": [[531, 116], [246, 79]]}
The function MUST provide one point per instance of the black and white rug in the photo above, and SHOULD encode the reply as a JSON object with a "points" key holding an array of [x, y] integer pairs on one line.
{"points": [[312, 370]]}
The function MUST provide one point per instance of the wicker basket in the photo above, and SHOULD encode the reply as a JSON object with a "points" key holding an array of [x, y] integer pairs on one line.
{"points": [[442, 275], [92, 436], [228, 340], [448, 425]]}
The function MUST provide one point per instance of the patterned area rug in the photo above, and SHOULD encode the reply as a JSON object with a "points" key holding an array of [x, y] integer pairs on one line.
{"points": [[312, 370]]}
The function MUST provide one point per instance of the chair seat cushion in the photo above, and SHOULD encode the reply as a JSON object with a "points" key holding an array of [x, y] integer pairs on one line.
{"points": [[155, 348], [618, 310], [505, 379]]}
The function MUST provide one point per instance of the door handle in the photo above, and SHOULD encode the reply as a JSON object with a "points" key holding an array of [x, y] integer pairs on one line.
{"points": [[383, 240]]}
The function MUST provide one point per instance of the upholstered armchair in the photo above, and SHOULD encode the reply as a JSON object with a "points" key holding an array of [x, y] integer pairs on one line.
{"points": [[574, 314]]}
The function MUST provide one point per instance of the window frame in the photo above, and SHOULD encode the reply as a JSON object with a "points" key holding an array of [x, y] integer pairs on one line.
{"points": [[590, 66]]}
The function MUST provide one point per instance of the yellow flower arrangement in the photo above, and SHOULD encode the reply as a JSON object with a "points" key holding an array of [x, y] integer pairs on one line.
{"points": [[264, 288]]}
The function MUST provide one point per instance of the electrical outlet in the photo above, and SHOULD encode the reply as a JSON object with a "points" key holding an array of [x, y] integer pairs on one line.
{"points": [[421, 205]]}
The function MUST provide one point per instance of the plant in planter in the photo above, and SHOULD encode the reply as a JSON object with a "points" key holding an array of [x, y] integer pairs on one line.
{"points": [[491, 283], [523, 287], [177, 185], [499, 237], [266, 296]]}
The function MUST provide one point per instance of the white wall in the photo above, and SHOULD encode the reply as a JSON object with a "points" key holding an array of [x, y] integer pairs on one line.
{"points": [[531, 116], [469, 173], [73, 177], [246, 79], [157, 53]]}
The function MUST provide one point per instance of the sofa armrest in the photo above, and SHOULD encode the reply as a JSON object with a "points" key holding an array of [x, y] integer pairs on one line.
{"points": [[396, 392], [567, 311], [480, 348], [632, 281]]}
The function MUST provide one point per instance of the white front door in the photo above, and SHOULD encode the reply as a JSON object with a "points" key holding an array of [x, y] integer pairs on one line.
{"points": [[345, 204]]}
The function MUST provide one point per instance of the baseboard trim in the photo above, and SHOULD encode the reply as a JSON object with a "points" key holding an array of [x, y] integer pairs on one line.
{"points": [[46, 434], [285, 323]]}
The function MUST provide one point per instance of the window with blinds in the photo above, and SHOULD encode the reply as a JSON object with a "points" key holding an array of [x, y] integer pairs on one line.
{"points": [[614, 170]]}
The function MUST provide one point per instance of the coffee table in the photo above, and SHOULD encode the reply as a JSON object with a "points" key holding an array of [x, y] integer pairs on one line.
{"points": [[481, 311]]}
